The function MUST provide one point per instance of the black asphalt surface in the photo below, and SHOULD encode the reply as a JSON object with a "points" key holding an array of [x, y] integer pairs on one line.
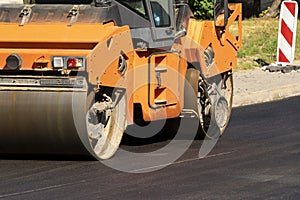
{"points": [[257, 158]]}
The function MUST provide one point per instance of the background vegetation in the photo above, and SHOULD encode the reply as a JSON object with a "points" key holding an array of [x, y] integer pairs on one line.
{"points": [[203, 9], [260, 43], [259, 36]]}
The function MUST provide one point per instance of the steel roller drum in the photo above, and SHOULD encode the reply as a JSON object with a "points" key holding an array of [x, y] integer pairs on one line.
{"points": [[37, 117]]}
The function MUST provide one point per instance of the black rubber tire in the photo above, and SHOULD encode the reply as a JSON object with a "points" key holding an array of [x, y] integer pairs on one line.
{"points": [[191, 102]]}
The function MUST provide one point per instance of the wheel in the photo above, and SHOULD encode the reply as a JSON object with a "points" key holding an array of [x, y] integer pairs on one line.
{"points": [[212, 99], [220, 93], [106, 122]]}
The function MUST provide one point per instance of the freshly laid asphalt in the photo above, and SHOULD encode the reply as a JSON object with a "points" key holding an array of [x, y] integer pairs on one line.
{"points": [[257, 158]]}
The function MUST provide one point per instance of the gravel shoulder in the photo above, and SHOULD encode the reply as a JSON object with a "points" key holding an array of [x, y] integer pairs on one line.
{"points": [[258, 86]]}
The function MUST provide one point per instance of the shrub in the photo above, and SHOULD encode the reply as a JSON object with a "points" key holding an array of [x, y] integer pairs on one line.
{"points": [[202, 9]]}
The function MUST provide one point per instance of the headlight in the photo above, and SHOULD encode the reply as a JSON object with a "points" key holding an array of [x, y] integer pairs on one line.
{"points": [[14, 61], [58, 62]]}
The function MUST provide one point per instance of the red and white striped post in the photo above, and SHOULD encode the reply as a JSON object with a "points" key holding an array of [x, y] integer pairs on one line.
{"points": [[287, 32]]}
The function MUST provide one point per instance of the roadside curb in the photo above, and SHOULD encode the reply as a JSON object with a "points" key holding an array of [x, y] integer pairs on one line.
{"points": [[266, 95]]}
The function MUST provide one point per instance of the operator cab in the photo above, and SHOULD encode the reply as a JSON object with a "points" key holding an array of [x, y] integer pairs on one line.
{"points": [[159, 10], [159, 21], [150, 21]]}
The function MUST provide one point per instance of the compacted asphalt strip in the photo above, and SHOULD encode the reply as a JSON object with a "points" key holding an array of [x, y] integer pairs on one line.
{"points": [[257, 158]]}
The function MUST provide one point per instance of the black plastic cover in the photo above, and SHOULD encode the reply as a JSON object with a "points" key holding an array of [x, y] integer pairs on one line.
{"points": [[63, 1]]}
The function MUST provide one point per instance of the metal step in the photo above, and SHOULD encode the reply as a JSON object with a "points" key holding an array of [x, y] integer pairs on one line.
{"points": [[160, 102], [161, 69], [189, 113]]}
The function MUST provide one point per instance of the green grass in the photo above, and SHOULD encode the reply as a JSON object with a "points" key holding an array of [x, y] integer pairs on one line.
{"points": [[259, 41]]}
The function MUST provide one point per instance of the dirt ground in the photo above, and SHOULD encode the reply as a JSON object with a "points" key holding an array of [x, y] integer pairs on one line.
{"points": [[258, 86]]}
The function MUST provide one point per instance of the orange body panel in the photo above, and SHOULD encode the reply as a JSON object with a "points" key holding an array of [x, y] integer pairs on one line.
{"points": [[148, 93], [204, 34], [34, 41], [60, 33], [104, 59]]}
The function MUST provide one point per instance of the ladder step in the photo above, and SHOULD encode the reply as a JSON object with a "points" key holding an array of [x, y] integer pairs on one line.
{"points": [[160, 102], [161, 69], [188, 113]]}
